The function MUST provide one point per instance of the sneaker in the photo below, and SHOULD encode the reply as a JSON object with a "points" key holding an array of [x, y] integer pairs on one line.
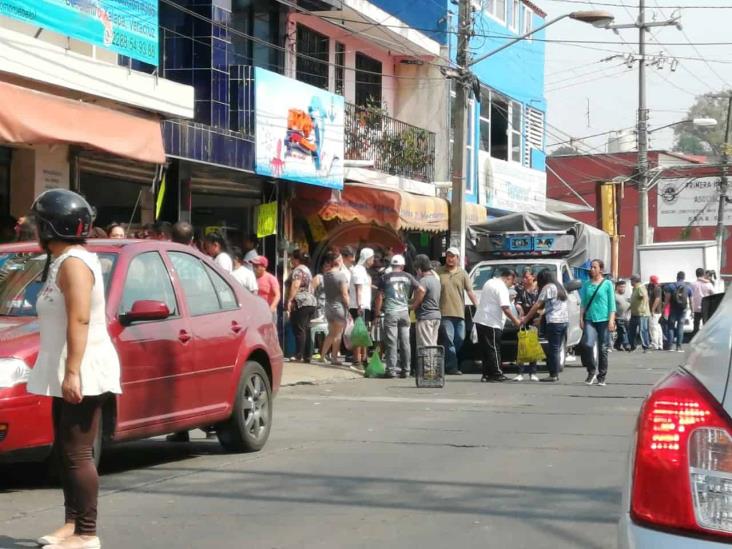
{"points": [[454, 373], [601, 382], [388, 375], [591, 379], [679, 350], [549, 379], [497, 379], [533, 377], [519, 377], [403, 374]]}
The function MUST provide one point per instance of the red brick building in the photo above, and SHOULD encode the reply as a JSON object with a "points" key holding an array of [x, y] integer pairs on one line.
{"points": [[569, 176]]}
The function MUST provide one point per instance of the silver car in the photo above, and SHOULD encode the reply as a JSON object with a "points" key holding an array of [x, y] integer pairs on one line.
{"points": [[679, 490]]}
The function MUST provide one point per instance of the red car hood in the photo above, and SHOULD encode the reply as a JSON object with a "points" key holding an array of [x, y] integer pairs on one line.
{"points": [[19, 338]]}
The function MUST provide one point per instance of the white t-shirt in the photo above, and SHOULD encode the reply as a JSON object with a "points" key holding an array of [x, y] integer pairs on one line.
{"points": [[246, 278], [493, 297], [359, 276], [224, 261]]}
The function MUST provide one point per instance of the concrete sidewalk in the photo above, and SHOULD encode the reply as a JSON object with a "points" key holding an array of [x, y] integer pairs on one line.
{"points": [[300, 373]]}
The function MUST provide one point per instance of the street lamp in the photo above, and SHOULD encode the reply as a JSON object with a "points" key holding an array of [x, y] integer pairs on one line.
{"points": [[698, 122]]}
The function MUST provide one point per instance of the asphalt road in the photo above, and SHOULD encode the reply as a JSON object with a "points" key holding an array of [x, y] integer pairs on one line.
{"points": [[377, 463]]}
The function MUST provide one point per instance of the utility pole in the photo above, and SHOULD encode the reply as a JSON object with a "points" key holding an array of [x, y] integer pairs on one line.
{"points": [[460, 116], [723, 187], [643, 228]]}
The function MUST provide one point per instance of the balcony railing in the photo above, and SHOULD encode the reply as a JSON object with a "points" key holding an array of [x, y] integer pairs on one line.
{"points": [[394, 147]]}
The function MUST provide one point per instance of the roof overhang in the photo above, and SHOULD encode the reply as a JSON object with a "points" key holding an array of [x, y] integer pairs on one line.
{"points": [[560, 206]]}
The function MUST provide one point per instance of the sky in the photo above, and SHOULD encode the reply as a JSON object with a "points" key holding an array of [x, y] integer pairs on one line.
{"points": [[587, 96]]}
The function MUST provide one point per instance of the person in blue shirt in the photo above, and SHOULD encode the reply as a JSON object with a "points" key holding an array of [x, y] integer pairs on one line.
{"points": [[597, 319], [678, 298]]}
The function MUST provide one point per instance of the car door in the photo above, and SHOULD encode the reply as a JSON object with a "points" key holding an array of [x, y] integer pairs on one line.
{"points": [[216, 321], [156, 356], [574, 333]]}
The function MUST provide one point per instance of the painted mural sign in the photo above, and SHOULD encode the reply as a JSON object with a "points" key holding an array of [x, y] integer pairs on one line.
{"points": [[299, 131], [128, 27], [689, 201], [511, 187]]}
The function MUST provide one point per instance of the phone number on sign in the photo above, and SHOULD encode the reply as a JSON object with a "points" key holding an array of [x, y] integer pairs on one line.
{"points": [[137, 46]]}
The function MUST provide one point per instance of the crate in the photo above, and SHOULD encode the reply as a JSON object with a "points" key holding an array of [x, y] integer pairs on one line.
{"points": [[430, 367]]}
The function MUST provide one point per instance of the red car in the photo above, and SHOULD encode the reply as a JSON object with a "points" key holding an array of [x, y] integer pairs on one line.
{"points": [[196, 349]]}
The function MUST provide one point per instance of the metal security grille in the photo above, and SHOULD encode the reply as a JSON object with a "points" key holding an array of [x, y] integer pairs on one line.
{"points": [[534, 133], [312, 59]]}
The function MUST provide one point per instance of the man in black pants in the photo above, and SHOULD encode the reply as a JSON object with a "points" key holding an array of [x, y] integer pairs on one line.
{"points": [[490, 316]]}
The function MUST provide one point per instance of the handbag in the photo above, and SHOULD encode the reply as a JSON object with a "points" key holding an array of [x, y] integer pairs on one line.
{"points": [[529, 348], [348, 344]]}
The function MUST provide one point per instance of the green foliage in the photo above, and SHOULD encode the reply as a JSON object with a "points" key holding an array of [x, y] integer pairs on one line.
{"points": [[693, 140], [564, 150]]}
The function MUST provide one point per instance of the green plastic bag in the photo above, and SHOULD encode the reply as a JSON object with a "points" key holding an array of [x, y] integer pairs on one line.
{"points": [[360, 334], [375, 367]]}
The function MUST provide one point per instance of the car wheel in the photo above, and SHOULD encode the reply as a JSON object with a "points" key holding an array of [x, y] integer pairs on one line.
{"points": [[247, 430]]}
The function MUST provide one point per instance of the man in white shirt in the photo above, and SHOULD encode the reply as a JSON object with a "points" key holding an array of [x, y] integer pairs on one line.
{"points": [[250, 251], [699, 290], [490, 316], [359, 292], [245, 276]]}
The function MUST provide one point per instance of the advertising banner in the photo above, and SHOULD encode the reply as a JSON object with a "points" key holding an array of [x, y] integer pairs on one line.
{"points": [[511, 187], [299, 131], [128, 27], [689, 201]]}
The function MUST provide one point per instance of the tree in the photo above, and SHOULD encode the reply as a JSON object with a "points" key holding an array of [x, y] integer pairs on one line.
{"points": [[691, 139], [564, 150]]}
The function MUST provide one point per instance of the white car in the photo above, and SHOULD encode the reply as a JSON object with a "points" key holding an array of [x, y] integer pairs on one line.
{"points": [[679, 491]]}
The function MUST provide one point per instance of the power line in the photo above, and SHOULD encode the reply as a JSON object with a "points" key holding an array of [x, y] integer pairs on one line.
{"points": [[616, 5]]}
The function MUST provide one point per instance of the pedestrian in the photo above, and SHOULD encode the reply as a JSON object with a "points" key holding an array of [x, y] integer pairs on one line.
{"points": [[553, 299], [78, 364], [490, 317], [243, 275], [526, 295], [622, 316], [162, 230], [115, 231], [250, 249], [640, 315], [216, 246], [268, 287], [337, 303], [677, 297], [700, 289], [655, 297], [98, 232], [455, 283], [427, 309], [301, 304], [597, 320], [395, 292], [360, 298]]}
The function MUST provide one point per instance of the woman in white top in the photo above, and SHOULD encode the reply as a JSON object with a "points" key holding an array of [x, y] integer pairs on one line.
{"points": [[243, 274], [77, 364], [215, 245]]}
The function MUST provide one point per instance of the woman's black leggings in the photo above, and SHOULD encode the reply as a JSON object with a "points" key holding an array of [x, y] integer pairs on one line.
{"points": [[300, 319], [75, 427]]}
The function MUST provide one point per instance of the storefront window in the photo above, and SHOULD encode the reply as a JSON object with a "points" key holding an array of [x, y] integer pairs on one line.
{"points": [[115, 200], [312, 57], [368, 80]]}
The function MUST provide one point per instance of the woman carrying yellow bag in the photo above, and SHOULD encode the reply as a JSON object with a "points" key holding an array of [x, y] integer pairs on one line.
{"points": [[554, 300]]}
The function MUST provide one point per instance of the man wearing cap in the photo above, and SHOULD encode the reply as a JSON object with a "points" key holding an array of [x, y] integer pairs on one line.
{"points": [[395, 291], [454, 282], [640, 313], [267, 284], [655, 298]]}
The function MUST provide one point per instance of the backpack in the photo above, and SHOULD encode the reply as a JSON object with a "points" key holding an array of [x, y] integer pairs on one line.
{"points": [[681, 297]]}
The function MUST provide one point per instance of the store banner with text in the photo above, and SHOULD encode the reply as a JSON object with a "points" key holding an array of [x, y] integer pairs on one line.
{"points": [[128, 27], [299, 133], [511, 187], [689, 201]]}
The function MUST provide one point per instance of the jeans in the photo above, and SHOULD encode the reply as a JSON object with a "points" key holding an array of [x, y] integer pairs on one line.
{"points": [[300, 320], [656, 331], [597, 332], [489, 341], [396, 339], [639, 322], [452, 335], [621, 338], [676, 328], [555, 334], [698, 318], [75, 428]]}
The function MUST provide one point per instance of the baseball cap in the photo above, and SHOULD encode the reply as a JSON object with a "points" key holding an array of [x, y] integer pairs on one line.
{"points": [[453, 251], [654, 279], [397, 261], [260, 260]]}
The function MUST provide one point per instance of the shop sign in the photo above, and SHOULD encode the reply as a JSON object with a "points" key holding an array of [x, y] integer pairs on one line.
{"points": [[128, 27], [689, 201], [266, 219], [299, 131], [511, 187]]}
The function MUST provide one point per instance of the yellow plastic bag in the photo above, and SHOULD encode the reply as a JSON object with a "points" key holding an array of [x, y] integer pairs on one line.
{"points": [[529, 348]]}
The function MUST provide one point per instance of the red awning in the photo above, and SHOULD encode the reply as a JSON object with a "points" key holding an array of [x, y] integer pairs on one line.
{"points": [[36, 118]]}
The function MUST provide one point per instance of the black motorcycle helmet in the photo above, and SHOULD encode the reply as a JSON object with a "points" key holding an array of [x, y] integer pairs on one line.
{"points": [[62, 215]]}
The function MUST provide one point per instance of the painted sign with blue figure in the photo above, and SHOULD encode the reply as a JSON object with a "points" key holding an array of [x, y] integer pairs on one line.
{"points": [[299, 133], [128, 27]]}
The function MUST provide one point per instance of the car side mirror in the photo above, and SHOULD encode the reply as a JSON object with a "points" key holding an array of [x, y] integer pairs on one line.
{"points": [[573, 285], [144, 311]]}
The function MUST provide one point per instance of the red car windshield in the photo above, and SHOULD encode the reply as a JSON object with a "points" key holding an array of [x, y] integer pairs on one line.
{"points": [[20, 280]]}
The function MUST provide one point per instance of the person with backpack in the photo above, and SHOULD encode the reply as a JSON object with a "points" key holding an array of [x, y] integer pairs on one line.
{"points": [[678, 298]]}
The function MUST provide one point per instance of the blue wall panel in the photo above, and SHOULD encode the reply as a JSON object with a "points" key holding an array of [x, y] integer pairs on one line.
{"points": [[428, 16]]}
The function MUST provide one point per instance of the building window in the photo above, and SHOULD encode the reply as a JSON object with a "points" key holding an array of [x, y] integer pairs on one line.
{"points": [[528, 21], [534, 134], [368, 80], [496, 8], [312, 57], [516, 134], [499, 127], [340, 63], [485, 120], [513, 14]]}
